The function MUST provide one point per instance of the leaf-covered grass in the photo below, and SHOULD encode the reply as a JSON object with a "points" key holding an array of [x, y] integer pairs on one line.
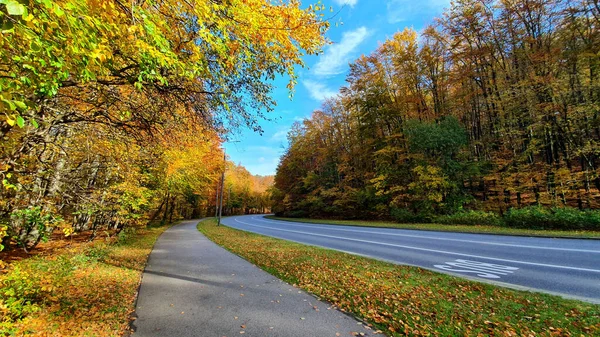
{"points": [[478, 229], [402, 300], [87, 290]]}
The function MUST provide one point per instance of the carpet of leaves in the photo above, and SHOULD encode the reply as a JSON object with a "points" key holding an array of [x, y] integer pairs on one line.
{"points": [[402, 300], [86, 290]]}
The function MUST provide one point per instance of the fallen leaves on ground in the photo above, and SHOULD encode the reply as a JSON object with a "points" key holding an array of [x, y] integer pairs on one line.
{"points": [[87, 290]]}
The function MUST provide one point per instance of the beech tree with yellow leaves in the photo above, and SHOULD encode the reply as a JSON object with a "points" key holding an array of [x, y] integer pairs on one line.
{"points": [[112, 113]]}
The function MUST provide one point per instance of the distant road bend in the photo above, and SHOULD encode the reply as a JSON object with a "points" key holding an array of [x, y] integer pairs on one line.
{"points": [[567, 267]]}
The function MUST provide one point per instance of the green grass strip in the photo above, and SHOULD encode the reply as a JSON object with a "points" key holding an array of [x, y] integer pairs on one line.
{"points": [[572, 234], [403, 300]]}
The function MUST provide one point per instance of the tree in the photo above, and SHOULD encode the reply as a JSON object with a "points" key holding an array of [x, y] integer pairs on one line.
{"points": [[494, 107], [112, 114]]}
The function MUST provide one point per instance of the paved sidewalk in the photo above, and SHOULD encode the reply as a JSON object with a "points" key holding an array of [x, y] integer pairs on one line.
{"points": [[192, 287]]}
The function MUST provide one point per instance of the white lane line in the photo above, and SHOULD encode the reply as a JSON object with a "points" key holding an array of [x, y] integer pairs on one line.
{"points": [[426, 237], [424, 249]]}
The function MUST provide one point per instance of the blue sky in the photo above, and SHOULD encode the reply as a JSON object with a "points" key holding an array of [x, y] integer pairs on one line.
{"points": [[362, 26]]}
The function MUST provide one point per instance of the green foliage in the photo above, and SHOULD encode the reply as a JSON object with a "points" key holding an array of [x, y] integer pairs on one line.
{"points": [[28, 286], [7, 184], [13, 7], [296, 213], [126, 234], [533, 217], [3, 234], [19, 295], [403, 215], [475, 218], [313, 205], [537, 217], [444, 138], [32, 225]]}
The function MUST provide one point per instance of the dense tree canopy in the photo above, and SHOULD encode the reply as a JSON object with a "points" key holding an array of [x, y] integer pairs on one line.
{"points": [[495, 106], [113, 112]]}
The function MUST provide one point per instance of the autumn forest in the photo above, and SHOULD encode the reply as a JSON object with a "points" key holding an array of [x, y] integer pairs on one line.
{"points": [[115, 116], [491, 109], [113, 113]]}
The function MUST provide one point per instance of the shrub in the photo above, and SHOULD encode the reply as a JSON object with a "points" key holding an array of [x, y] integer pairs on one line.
{"points": [[31, 225], [296, 214], [405, 216], [470, 218], [573, 218], [20, 294], [3, 234], [533, 217], [313, 205], [537, 217]]}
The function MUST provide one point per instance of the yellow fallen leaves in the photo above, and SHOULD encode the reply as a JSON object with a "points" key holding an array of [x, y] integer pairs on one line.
{"points": [[87, 291]]}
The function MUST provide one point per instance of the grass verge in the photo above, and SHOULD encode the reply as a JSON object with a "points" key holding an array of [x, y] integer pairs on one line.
{"points": [[402, 300], [87, 290], [477, 229]]}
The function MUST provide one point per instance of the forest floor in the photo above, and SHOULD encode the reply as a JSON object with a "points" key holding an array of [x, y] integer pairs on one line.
{"points": [[73, 287], [403, 300], [479, 229]]}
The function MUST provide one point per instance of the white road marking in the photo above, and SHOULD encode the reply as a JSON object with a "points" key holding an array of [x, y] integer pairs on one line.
{"points": [[485, 270], [428, 237], [425, 249]]}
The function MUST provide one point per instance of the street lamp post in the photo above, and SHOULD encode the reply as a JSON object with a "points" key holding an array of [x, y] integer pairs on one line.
{"points": [[222, 185], [217, 201]]}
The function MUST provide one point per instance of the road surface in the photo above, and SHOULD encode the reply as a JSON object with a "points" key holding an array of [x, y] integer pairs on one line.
{"points": [[192, 287], [566, 267]]}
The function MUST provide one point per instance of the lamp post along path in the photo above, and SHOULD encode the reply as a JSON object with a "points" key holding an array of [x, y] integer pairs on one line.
{"points": [[222, 185], [217, 201]]}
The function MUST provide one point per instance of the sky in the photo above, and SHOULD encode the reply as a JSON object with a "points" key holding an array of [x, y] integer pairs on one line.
{"points": [[359, 27]]}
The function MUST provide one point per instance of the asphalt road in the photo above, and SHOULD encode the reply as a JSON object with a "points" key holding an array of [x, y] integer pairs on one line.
{"points": [[566, 267]]}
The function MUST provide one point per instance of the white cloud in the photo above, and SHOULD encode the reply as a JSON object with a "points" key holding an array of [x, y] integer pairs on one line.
{"points": [[318, 91], [280, 135], [350, 3], [402, 10], [264, 151], [336, 57], [300, 119], [263, 168]]}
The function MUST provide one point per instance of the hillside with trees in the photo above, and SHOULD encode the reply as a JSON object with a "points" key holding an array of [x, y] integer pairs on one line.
{"points": [[494, 107]]}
